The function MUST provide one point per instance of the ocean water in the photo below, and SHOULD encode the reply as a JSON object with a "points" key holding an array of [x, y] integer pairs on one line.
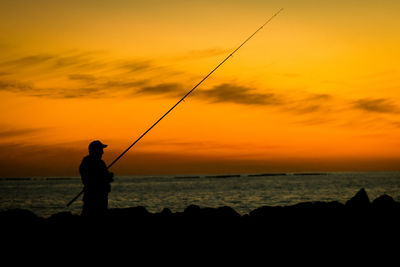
{"points": [[243, 192]]}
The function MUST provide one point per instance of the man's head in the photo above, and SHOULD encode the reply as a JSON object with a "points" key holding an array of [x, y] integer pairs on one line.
{"points": [[96, 148]]}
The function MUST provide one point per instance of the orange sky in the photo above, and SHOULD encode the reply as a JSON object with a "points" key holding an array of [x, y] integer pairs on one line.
{"points": [[316, 90]]}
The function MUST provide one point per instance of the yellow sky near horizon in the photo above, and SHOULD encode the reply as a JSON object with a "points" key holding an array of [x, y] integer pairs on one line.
{"points": [[318, 86]]}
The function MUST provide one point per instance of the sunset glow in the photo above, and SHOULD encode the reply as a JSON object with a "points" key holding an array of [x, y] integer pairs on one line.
{"points": [[318, 89]]}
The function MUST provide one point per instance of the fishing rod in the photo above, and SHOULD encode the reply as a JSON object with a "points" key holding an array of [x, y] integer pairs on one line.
{"points": [[183, 98]]}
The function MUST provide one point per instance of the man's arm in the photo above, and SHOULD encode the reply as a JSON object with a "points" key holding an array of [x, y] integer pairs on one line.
{"points": [[107, 175]]}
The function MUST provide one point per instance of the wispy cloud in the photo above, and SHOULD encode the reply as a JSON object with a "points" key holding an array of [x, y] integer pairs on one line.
{"points": [[379, 105], [118, 84], [88, 87], [15, 86], [223, 93], [7, 132], [310, 103], [82, 77], [319, 97], [199, 145], [315, 121], [78, 74], [232, 93], [75, 60], [169, 89], [28, 60], [137, 65], [95, 77], [28, 89], [304, 109]]}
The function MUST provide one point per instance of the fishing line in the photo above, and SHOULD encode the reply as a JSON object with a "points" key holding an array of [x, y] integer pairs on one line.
{"points": [[183, 98]]}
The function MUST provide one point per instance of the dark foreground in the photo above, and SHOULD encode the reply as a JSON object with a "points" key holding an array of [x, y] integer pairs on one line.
{"points": [[311, 226]]}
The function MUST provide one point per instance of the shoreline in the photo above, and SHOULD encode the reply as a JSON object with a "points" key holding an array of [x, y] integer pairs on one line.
{"points": [[358, 207], [308, 228]]}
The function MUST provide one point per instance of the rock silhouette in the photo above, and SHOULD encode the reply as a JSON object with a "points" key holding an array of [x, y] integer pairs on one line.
{"points": [[359, 201], [302, 210], [385, 202], [358, 220]]}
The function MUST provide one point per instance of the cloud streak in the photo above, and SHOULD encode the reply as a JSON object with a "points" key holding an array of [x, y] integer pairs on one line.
{"points": [[85, 61], [78, 74], [222, 93], [82, 77], [90, 86], [19, 132], [15, 86], [92, 75], [28, 60], [237, 94], [168, 89], [311, 103], [137, 65], [30, 90], [379, 105], [113, 78]]}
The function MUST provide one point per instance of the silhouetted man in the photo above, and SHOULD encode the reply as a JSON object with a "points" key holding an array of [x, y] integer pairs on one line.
{"points": [[96, 180]]}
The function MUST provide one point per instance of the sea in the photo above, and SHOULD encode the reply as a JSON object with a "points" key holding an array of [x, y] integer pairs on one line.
{"points": [[243, 192]]}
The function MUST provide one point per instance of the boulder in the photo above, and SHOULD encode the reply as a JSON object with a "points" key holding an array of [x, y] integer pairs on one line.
{"points": [[262, 212], [359, 201], [227, 212], [166, 212], [133, 212], [385, 202], [19, 217], [63, 217], [224, 212], [192, 210]]}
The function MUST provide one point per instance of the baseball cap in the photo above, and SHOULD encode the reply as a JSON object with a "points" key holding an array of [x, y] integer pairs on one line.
{"points": [[96, 145]]}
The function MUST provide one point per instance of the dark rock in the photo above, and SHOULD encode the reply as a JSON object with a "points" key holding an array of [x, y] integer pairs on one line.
{"points": [[227, 212], [224, 212], [166, 212], [63, 217], [302, 206], [385, 202], [263, 211], [206, 220], [199, 215], [307, 218], [359, 201], [313, 210], [19, 216], [333, 205], [133, 212], [192, 210]]}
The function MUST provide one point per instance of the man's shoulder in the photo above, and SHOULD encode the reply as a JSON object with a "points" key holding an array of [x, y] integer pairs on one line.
{"points": [[91, 160], [86, 158]]}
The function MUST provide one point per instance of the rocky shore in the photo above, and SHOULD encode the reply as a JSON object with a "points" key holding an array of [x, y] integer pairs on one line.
{"points": [[357, 219]]}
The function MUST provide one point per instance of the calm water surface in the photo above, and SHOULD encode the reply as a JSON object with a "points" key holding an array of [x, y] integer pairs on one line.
{"points": [[49, 195]]}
